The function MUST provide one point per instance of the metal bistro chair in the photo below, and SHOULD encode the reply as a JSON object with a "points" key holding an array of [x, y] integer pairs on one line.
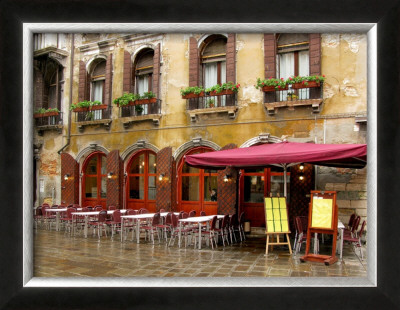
{"points": [[210, 233], [179, 230], [153, 227], [356, 240]]}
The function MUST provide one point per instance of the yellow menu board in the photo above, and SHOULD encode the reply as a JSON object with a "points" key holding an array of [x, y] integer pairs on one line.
{"points": [[322, 213], [276, 219]]}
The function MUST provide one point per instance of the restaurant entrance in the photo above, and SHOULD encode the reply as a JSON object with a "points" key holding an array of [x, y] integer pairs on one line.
{"points": [[141, 181], [94, 180], [254, 185], [197, 188]]}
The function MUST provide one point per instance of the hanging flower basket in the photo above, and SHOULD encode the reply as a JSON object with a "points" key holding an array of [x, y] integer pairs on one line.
{"points": [[193, 95]]}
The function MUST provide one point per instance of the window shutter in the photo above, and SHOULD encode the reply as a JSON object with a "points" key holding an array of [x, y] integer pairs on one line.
{"points": [[127, 82], [193, 62], [230, 58], [315, 54], [156, 70], [115, 184], [69, 188], [83, 81], [270, 55], [108, 81]]}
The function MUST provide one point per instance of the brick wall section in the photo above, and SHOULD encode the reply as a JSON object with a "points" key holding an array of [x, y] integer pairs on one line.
{"points": [[231, 58], [108, 81], [351, 196], [156, 70], [227, 192], [164, 187], [270, 55], [299, 202], [69, 188], [315, 53], [114, 188], [83, 81], [193, 62], [127, 75]]}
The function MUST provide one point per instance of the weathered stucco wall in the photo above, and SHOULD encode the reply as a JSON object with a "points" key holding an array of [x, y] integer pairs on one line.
{"points": [[343, 62]]}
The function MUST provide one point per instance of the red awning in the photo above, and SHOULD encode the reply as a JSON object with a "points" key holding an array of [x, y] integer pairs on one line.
{"points": [[332, 155]]}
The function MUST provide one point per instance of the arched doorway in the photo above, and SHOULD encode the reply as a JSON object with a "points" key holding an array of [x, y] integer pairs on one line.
{"points": [[141, 181], [254, 185], [94, 180], [197, 188]]}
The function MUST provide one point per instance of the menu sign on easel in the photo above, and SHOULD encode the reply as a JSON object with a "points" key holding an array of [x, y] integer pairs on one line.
{"points": [[322, 219]]}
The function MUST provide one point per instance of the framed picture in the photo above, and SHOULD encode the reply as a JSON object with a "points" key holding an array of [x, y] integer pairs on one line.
{"points": [[21, 290]]}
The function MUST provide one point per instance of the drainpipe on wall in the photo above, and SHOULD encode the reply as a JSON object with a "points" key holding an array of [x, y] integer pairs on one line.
{"points": [[71, 74]]}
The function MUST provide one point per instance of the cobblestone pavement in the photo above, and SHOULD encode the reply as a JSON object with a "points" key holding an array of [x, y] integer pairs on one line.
{"points": [[58, 255]]}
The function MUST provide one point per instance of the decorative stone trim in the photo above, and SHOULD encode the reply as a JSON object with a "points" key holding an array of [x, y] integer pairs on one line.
{"points": [[152, 117], [139, 145], [90, 149], [196, 142], [314, 103], [57, 127], [54, 53], [261, 138], [230, 110], [106, 123]]}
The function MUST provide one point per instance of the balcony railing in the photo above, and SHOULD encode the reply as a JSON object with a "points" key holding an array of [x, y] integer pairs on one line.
{"points": [[210, 101], [291, 97], [148, 109], [49, 120], [93, 115]]}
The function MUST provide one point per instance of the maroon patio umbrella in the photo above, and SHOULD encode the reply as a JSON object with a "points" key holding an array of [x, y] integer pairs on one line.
{"points": [[284, 154]]}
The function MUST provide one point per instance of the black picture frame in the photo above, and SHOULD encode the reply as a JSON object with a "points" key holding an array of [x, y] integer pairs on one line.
{"points": [[13, 13]]}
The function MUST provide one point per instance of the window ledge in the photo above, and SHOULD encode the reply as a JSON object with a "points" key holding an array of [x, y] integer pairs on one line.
{"points": [[105, 122], [41, 129], [231, 110], [314, 103], [127, 121]]}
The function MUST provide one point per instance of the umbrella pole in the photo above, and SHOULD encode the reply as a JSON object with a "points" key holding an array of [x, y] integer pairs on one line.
{"points": [[284, 180]]}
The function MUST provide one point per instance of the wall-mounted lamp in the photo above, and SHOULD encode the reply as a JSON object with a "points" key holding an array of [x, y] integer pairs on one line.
{"points": [[301, 176], [111, 175], [227, 178], [301, 167], [67, 177], [161, 176]]}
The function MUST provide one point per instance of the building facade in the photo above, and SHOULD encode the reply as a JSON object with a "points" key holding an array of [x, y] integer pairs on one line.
{"points": [[132, 156]]}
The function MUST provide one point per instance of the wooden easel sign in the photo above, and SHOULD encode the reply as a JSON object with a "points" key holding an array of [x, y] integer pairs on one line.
{"points": [[322, 219], [276, 222]]}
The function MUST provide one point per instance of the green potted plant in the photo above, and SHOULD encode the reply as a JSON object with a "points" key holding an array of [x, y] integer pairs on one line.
{"points": [[271, 84], [42, 112], [126, 99], [306, 81], [291, 96], [138, 109], [146, 98], [192, 92], [210, 103]]}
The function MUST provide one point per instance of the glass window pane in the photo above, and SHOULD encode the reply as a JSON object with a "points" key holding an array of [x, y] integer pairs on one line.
{"points": [[210, 188], [97, 90], [277, 185], [152, 163], [188, 169], [136, 187], [143, 84], [137, 165], [210, 74], [254, 170], [91, 187], [190, 188], [152, 188], [253, 188], [104, 165], [103, 192], [91, 168]]}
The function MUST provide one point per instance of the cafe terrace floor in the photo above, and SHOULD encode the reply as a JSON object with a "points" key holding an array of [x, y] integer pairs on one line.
{"points": [[58, 255]]}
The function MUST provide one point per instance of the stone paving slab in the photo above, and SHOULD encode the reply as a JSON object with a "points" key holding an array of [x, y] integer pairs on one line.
{"points": [[58, 255]]}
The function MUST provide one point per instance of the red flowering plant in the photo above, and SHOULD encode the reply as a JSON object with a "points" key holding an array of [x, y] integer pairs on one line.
{"points": [[277, 83], [305, 79]]}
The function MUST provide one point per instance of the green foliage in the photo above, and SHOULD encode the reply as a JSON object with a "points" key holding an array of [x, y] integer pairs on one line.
{"points": [[282, 83], [225, 86], [84, 104], [130, 97], [43, 110], [139, 108], [192, 89], [210, 103]]}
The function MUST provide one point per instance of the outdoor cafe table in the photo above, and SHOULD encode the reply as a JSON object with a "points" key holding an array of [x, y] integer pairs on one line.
{"points": [[58, 212], [139, 216], [199, 220], [90, 213]]}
